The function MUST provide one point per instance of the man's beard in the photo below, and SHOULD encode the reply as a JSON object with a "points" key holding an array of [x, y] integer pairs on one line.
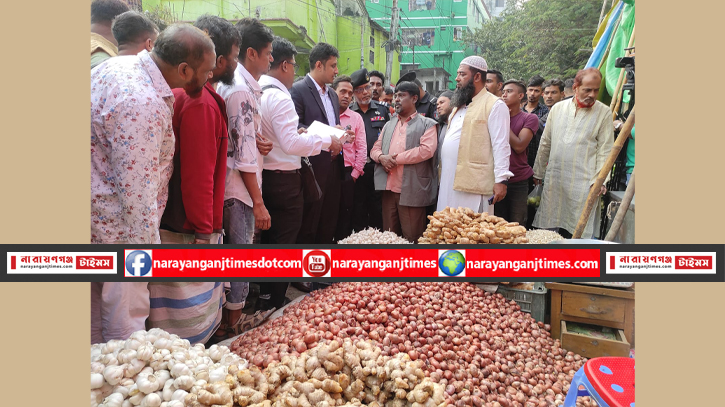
{"points": [[464, 95], [443, 119], [193, 87], [227, 77], [364, 102]]}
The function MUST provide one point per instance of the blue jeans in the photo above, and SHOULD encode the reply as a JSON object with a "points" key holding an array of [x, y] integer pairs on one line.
{"points": [[237, 295], [238, 222]]}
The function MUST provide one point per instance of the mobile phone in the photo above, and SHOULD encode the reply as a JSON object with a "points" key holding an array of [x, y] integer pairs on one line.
{"points": [[490, 200]]}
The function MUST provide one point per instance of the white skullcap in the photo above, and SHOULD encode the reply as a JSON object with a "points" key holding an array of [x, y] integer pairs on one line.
{"points": [[476, 62]]}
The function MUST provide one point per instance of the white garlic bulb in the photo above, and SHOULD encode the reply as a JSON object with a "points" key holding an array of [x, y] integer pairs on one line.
{"points": [[168, 390], [151, 400], [134, 367], [180, 356], [144, 352], [180, 369], [202, 375], [97, 367], [96, 380], [109, 359], [147, 370], [132, 344], [114, 400], [179, 395], [126, 403], [215, 353], [162, 343], [111, 346], [147, 383], [159, 333], [162, 375], [105, 390], [139, 336], [96, 397], [113, 374], [136, 399], [122, 390], [126, 355], [133, 390], [158, 365], [218, 375], [175, 403], [184, 382]]}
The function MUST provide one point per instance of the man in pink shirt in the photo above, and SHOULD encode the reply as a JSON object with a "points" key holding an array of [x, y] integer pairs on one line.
{"points": [[405, 171], [354, 154]]}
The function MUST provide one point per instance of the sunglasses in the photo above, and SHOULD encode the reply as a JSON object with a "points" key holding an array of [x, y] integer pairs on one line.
{"points": [[359, 91]]}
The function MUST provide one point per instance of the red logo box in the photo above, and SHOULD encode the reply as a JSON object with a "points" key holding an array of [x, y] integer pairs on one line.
{"points": [[94, 262], [693, 262]]}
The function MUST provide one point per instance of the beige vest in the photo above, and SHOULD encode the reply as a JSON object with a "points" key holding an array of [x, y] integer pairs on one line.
{"points": [[100, 42], [474, 170]]}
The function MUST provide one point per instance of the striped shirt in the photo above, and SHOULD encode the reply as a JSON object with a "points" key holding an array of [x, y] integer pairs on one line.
{"points": [[190, 310]]}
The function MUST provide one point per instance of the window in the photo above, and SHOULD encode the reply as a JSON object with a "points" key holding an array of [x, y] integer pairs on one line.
{"points": [[372, 41], [500, 3], [419, 37], [372, 57], [457, 33], [415, 5], [429, 86]]}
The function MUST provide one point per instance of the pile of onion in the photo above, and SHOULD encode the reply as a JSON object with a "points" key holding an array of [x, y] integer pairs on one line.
{"points": [[482, 347]]}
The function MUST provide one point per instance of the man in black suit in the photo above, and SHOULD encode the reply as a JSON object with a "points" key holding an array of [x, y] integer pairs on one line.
{"points": [[315, 100]]}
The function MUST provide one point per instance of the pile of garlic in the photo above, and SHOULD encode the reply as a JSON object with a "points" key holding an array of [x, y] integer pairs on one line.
{"points": [[155, 369], [373, 236]]}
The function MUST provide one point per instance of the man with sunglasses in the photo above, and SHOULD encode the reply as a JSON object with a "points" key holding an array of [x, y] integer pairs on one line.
{"points": [[367, 208], [355, 153]]}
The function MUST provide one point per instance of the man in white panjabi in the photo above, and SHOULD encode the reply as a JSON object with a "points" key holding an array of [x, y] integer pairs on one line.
{"points": [[576, 142], [475, 151]]}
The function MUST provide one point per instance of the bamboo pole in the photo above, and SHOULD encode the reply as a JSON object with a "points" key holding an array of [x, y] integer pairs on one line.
{"points": [[594, 190], [601, 15], [619, 99], [616, 98], [622, 211]]}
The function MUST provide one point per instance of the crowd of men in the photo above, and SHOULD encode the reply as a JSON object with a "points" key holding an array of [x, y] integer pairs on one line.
{"points": [[199, 135]]}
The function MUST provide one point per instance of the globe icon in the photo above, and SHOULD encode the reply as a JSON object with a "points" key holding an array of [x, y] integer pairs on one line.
{"points": [[452, 263]]}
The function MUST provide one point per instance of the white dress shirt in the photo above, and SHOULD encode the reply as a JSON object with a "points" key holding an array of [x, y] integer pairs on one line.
{"points": [[326, 101], [279, 124]]}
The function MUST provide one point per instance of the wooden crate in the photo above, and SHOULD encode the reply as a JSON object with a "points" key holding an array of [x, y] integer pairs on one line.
{"points": [[592, 306], [591, 347]]}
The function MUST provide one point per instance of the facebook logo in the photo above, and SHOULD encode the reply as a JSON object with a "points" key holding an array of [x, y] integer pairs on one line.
{"points": [[138, 263]]}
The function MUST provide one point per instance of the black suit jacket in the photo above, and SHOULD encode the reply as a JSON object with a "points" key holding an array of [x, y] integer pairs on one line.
{"points": [[308, 104]]}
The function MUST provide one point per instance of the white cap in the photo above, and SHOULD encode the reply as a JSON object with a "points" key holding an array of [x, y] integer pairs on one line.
{"points": [[476, 62]]}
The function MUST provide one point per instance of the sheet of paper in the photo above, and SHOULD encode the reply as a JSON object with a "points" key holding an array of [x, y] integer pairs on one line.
{"points": [[323, 129]]}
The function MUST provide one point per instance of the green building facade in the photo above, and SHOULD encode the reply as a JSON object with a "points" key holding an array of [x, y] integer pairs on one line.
{"points": [[430, 35], [342, 23]]}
